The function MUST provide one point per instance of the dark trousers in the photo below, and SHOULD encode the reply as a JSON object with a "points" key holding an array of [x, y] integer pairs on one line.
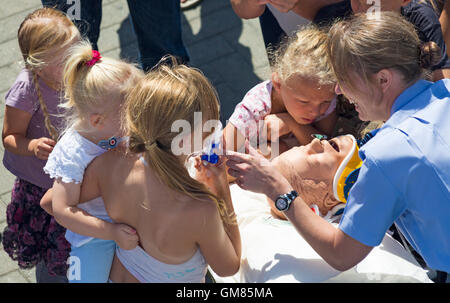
{"points": [[156, 23]]}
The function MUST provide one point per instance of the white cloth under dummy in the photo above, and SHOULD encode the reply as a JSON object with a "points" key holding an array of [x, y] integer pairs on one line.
{"points": [[273, 251]]}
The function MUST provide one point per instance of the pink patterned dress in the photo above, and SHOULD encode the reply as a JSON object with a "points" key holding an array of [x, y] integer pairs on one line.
{"points": [[255, 106]]}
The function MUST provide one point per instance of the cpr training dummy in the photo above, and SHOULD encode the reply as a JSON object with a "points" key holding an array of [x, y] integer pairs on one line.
{"points": [[273, 251]]}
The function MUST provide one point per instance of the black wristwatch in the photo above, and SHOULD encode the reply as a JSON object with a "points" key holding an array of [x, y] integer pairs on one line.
{"points": [[283, 202]]}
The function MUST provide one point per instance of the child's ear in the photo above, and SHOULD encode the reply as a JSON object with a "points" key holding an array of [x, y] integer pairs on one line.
{"points": [[276, 81], [96, 120]]}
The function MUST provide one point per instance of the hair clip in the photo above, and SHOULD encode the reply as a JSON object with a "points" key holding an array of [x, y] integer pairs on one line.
{"points": [[95, 57], [111, 142]]}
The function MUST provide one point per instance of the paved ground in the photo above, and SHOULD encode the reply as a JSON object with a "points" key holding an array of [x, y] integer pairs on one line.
{"points": [[230, 51]]}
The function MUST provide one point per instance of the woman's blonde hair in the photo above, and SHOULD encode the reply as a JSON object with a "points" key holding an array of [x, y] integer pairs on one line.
{"points": [[168, 94], [304, 54], [41, 35], [364, 46], [95, 88]]}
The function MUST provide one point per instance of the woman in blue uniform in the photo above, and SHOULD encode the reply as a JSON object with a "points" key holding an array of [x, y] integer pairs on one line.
{"points": [[405, 175]]}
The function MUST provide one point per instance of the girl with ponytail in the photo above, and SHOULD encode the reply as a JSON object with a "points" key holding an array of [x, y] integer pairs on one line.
{"points": [[95, 90], [30, 130], [184, 223]]}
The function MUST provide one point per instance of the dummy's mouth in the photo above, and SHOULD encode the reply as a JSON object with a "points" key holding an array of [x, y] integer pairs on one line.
{"points": [[334, 145]]}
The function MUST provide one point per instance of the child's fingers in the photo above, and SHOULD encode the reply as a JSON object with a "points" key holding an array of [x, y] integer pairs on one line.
{"points": [[128, 229], [49, 142], [45, 148]]}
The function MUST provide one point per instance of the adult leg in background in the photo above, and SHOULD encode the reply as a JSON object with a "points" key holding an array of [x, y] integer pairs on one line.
{"points": [[157, 25]]}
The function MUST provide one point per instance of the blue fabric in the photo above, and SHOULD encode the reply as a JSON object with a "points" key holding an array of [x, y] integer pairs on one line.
{"points": [[405, 176], [94, 262]]}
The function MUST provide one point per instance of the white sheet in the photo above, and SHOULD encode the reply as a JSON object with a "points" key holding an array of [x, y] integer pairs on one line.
{"points": [[273, 251]]}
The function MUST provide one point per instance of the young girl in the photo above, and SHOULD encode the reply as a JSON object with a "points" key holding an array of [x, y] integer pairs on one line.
{"points": [[30, 130], [184, 224], [95, 90], [299, 100]]}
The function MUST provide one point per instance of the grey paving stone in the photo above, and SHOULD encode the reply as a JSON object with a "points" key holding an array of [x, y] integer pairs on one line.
{"points": [[207, 7], [2, 214], [209, 25], [29, 274], [247, 40], [6, 178], [119, 34], [10, 25], [208, 50], [7, 264], [112, 13], [13, 277], [237, 72], [9, 74], [10, 53], [17, 6]]}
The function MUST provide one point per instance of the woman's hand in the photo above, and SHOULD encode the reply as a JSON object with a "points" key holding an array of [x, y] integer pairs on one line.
{"points": [[277, 125], [255, 173]]}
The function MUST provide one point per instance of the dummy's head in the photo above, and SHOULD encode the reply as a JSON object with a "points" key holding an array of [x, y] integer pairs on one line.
{"points": [[313, 168]]}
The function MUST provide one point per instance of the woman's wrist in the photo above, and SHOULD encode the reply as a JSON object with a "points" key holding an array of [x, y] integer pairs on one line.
{"points": [[280, 187]]}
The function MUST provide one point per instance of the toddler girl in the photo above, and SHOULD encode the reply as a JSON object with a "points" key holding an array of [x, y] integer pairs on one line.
{"points": [[299, 100], [30, 130], [96, 87]]}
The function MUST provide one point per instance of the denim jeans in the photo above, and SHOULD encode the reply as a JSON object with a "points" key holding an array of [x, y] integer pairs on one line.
{"points": [[156, 23]]}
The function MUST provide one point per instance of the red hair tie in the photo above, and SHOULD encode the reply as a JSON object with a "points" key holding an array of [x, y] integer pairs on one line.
{"points": [[95, 57]]}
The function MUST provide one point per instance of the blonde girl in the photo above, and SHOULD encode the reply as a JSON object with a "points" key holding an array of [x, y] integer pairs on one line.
{"points": [[30, 130], [298, 101], [96, 88], [183, 223]]}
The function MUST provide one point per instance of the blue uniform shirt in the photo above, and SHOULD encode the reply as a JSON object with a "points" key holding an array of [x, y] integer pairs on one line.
{"points": [[405, 176]]}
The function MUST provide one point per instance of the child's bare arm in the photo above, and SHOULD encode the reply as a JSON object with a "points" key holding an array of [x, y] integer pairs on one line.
{"points": [[64, 201], [15, 125], [46, 202]]}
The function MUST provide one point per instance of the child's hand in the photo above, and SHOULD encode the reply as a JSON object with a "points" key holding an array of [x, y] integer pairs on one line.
{"points": [[277, 125], [125, 236], [214, 176], [42, 147]]}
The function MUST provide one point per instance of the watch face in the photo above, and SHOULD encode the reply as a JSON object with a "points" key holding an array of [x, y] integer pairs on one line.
{"points": [[281, 204]]}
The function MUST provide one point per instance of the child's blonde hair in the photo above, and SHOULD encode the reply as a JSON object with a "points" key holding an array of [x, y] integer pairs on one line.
{"points": [[365, 45], [165, 95], [41, 35], [305, 54], [97, 88]]}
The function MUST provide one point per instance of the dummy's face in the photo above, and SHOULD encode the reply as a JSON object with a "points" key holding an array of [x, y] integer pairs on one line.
{"points": [[362, 6], [304, 99], [311, 168]]}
